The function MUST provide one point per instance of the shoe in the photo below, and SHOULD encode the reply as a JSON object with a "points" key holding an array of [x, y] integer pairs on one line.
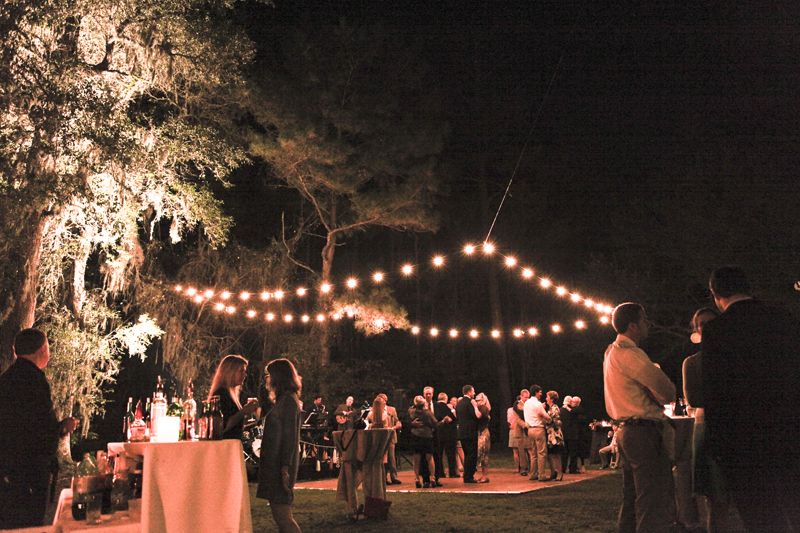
{"points": [[396, 482], [545, 480], [560, 477], [418, 484], [470, 481], [523, 473], [436, 484], [427, 485], [483, 480], [553, 476]]}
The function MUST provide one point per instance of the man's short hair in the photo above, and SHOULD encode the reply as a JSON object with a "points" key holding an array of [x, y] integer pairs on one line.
{"points": [[729, 280], [28, 341], [626, 314], [426, 389], [442, 396], [466, 389], [535, 389]]}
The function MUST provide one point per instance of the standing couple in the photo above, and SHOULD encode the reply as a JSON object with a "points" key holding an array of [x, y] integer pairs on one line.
{"points": [[472, 421]]}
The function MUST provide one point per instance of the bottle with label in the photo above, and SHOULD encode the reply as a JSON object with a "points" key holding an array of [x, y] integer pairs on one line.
{"points": [[680, 407], [215, 420], [127, 421], [147, 412], [158, 409], [138, 428], [202, 422], [83, 484], [189, 415]]}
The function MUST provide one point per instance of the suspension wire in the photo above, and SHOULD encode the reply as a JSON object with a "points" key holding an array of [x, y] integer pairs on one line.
{"points": [[527, 139]]}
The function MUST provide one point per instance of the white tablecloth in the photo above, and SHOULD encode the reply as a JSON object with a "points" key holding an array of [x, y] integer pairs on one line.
{"points": [[63, 521], [197, 486]]}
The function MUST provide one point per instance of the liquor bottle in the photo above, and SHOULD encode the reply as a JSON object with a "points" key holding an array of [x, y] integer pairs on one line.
{"points": [[159, 409], [215, 420], [120, 488], [189, 415], [147, 412], [127, 420], [82, 486], [138, 428]]}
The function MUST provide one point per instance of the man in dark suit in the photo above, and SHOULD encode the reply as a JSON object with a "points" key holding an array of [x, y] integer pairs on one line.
{"points": [[467, 413], [447, 433], [751, 388], [29, 435]]}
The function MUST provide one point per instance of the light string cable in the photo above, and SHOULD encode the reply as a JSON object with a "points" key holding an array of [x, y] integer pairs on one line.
{"points": [[530, 133]]}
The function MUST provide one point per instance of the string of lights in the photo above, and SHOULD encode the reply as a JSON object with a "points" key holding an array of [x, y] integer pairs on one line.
{"points": [[439, 261]]}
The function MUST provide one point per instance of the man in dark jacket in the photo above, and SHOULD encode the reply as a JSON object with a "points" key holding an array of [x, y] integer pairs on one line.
{"points": [[447, 432], [750, 377], [29, 433], [467, 413]]}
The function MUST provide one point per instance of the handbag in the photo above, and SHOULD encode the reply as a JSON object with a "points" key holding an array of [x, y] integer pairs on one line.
{"points": [[376, 508]]}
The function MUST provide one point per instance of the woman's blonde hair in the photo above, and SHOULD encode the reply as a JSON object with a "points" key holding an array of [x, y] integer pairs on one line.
{"points": [[223, 377], [482, 399], [419, 402]]}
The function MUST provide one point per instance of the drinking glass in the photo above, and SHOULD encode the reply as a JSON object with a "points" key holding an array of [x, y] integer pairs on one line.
{"points": [[94, 502]]}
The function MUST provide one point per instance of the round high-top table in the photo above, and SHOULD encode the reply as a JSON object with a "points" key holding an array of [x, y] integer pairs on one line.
{"points": [[361, 453]]}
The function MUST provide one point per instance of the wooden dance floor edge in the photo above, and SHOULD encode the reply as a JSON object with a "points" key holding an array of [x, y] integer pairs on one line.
{"points": [[502, 481]]}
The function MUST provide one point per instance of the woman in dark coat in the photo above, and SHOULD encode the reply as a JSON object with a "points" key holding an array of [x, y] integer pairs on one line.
{"points": [[227, 385], [280, 446]]}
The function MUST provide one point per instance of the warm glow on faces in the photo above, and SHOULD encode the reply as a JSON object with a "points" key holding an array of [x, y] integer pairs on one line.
{"points": [[545, 283], [580, 324], [377, 277], [495, 334], [301, 291], [488, 248], [473, 333], [225, 295], [407, 269], [555, 328], [453, 333], [415, 330], [469, 249], [438, 261], [351, 283], [527, 273], [325, 288], [511, 261], [278, 295]]}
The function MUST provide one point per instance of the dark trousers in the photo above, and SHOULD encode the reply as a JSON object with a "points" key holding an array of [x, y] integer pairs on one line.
{"points": [[470, 447], [448, 448], [571, 464], [437, 462], [648, 494], [767, 497], [23, 499]]}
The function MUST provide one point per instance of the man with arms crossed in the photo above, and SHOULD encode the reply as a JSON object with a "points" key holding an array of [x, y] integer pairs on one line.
{"points": [[635, 392]]}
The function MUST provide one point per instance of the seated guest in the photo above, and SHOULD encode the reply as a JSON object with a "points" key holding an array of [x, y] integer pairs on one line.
{"points": [[422, 425], [29, 433], [280, 456], [607, 452], [227, 384]]}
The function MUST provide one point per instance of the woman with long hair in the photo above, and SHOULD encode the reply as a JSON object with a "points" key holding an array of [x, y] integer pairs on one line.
{"points": [[280, 447], [484, 437], [555, 436], [227, 384], [423, 423]]}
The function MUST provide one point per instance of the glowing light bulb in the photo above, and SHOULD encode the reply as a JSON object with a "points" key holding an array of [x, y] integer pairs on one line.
{"points": [[305, 319], [469, 249], [488, 248], [518, 333], [230, 309], [575, 297], [350, 313], [604, 319], [325, 288], [453, 333], [495, 334], [301, 291], [533, 332], [378, 277], [265, 295], [244, 296], [580, 324], [278, 295], [473, 333], [555, 328], [588, 302], [219, 306], [434, 332], [225, 295], [351, 283], [415, 330], [251, 313], [407, 269], [511, 261], [320, 317], [438, 261], [270, 317], [191, 291], [178, 288], [208, 294], [336, 316], [561, 291], [527, 273], [545, 283], [379, 323], [198, 299], [287, 318]]}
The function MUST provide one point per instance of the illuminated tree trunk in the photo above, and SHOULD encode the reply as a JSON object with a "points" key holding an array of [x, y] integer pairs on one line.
{"points": [[328, 253]]}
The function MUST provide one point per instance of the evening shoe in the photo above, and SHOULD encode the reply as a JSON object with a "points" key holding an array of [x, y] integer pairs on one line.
{"points": [[483, 480], [419, 485]]}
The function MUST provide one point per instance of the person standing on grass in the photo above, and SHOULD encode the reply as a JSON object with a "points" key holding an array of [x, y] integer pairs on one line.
{"points": [[635, 392], [280, 448]]}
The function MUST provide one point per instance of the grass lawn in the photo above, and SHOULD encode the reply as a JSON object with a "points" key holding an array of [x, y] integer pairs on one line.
{"points": [[587, 506]]}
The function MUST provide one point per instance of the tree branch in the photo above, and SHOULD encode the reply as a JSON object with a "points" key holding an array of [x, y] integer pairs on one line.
{"points": [[289, 249]]}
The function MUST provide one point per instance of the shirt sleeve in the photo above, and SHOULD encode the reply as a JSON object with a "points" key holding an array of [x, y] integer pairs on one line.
{"points": [[692, 385], [648, 375], [289, 419]]}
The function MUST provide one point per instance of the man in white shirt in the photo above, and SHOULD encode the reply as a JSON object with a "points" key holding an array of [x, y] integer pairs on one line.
{"points": [[635, 392], [535, 418]]}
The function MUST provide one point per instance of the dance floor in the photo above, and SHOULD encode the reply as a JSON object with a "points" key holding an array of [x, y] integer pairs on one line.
{"points": [[502, 481]]}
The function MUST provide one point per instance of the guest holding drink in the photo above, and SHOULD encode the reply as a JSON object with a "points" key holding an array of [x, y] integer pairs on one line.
{"points": [[227, 384], [280, 449]]}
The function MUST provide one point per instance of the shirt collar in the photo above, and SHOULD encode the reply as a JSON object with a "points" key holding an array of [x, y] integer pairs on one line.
{"points": [[624, 341]]}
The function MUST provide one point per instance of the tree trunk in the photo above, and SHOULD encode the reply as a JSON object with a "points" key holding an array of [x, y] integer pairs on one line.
{"points": [[328, 253], [19, 298]]}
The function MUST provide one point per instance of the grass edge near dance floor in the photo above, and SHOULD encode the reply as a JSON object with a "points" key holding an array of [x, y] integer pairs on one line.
{"points": [[589, 506]]}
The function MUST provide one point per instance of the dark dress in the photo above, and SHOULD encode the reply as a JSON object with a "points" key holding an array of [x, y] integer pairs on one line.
{"points": [[229, 409], [422, 437], [280, 447], [29, 433]]}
